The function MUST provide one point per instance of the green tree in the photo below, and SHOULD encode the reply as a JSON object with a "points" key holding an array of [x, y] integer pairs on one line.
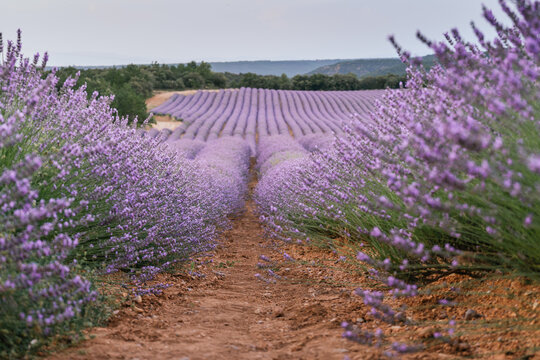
{"points": [[193, 80], [218, 80]]}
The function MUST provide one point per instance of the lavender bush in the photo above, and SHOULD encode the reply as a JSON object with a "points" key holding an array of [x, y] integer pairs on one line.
{"points": [[444, 176], [273, 150], [225, 163], [315, 142], [40, 294], [82, 192], [450, 160]]}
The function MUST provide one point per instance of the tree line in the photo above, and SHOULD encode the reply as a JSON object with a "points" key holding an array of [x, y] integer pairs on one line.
{"points": [[133, 84]]}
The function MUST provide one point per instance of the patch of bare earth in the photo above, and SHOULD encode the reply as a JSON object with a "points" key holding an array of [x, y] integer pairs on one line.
{"points": [[160, 96]]}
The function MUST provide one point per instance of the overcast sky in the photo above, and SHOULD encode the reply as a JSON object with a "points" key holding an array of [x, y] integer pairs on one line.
{"points": [[106, 32]]}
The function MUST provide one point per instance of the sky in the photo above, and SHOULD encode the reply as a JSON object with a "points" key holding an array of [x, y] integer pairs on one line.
{"points": [[115, 32]]}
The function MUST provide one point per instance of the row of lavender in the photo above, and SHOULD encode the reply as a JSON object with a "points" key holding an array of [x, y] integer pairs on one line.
{"points": [[444, 176], [255, 113], [81, 195], [190, 149]]}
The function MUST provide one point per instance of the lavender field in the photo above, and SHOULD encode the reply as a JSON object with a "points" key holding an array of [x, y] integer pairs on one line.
{"points": [[425, 200], [253, 114]]}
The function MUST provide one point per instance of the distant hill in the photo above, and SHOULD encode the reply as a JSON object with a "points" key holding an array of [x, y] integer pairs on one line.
{"points": [[361, 67], [369, 67], [267, 67]]}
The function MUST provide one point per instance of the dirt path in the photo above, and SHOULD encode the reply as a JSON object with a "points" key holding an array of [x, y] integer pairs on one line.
{"points": [[228, 313]]}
